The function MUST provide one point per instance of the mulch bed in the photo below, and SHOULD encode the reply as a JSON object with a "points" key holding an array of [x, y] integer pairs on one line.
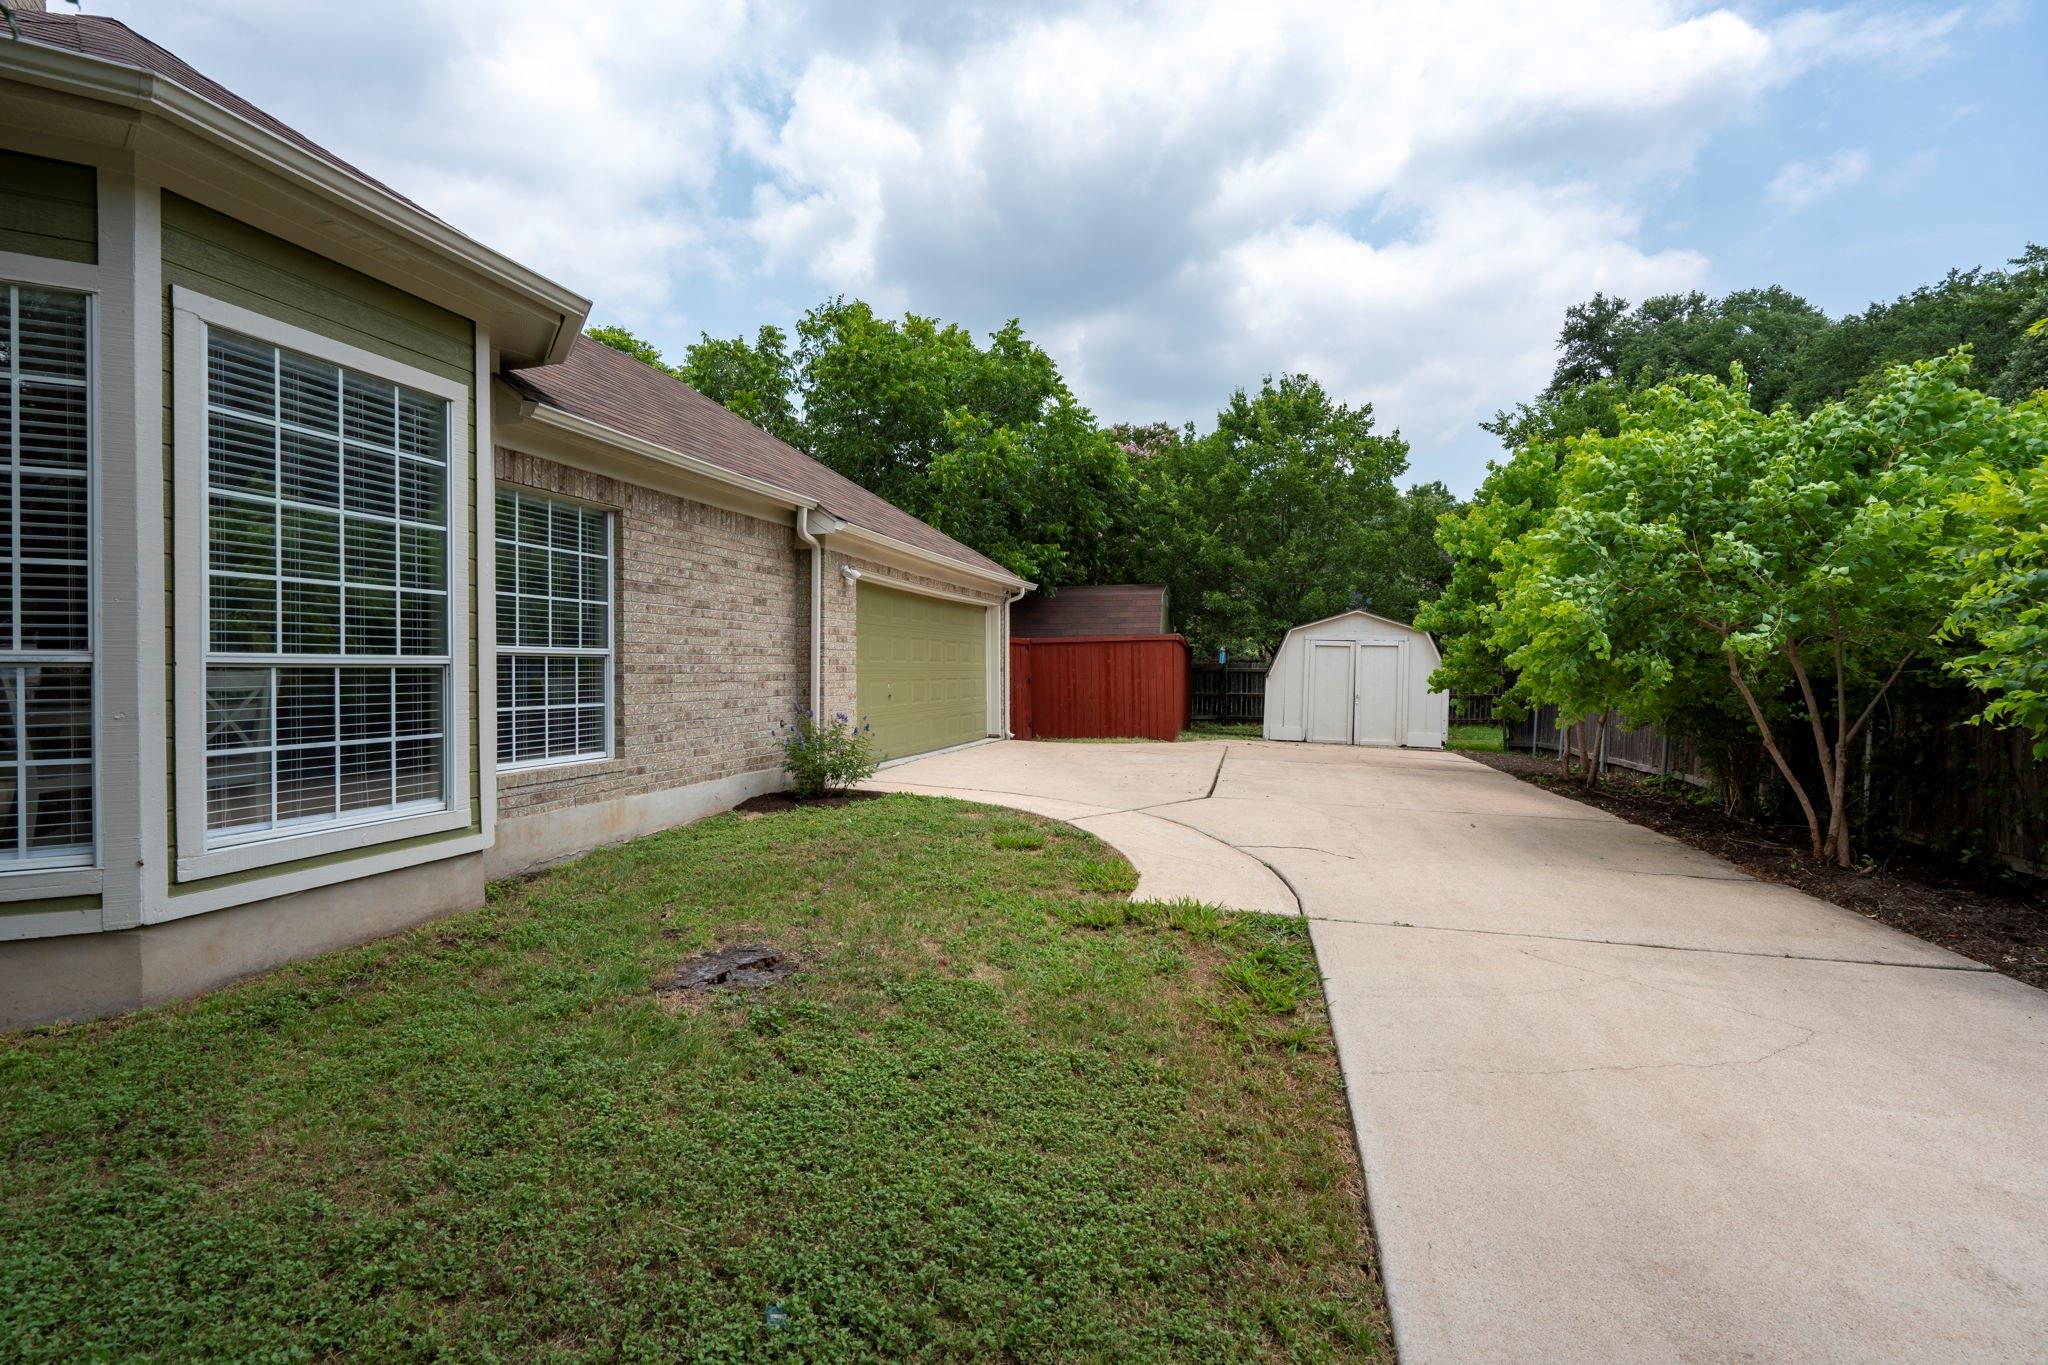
{"points": [[2001, 922], [776, 802]]}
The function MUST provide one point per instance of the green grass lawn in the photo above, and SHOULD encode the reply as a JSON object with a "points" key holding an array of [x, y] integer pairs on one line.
{"points": [[1484, 737], [1000, 1112], [1221, 729]]}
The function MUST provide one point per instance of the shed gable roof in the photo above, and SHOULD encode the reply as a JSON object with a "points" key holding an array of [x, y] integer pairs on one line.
{"points": [[1368, 615]]}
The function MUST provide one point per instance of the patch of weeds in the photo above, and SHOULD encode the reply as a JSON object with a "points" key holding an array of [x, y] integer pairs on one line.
{"points": [[1091, 914], [1200, 921], [1021, 837], [1275, 982], [1110, 877]]}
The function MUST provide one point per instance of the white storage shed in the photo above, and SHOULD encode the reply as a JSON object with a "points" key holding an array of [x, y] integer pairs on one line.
{"points": [[1356, 678]]}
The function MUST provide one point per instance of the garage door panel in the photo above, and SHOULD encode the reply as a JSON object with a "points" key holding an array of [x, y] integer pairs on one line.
{"points": [[921, 669]]}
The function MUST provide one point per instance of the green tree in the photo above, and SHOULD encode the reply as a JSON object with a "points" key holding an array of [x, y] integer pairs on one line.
{"points": [[1766, 331], [1516, 497], [2002, 614], [619, 339], [1284, 513], [880, 397], [1986, 310], [1806, 556], [1046, 498], [758, 382]]}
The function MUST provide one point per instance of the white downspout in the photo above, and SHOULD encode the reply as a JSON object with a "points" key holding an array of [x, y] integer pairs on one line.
{"points": [[1009, 683], [803, 533]]}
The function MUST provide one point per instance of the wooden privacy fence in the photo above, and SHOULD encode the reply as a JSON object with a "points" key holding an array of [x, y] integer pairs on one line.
{"points": [[1471, 710], [1227, 692], [1099, 687], [1643, 748]]}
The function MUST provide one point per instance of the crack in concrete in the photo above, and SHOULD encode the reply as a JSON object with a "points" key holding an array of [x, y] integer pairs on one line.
{"points": [[1629, 1066], [1298, 848], [1660, 947]]}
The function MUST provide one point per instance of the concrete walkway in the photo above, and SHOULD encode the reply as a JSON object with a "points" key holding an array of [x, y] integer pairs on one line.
{"points": [[1617, 1101]]}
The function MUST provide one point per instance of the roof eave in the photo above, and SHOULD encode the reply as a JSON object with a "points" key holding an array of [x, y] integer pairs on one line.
{"points": [[559, 419], [556, 309], [862, 536]]}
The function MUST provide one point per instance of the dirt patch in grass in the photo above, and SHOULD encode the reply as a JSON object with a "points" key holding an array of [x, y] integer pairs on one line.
{"points": [[741, 967], [2002, 923], [778, 803]]}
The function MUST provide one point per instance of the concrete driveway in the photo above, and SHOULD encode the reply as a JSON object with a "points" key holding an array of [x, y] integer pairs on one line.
{"points": [[1616, 1100]]}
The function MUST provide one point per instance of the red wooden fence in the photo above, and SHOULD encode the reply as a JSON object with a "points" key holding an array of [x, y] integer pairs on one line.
{"points": [[1099, 687]]}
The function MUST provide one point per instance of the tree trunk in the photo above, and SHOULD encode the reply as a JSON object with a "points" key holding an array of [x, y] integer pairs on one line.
{"points": [[1756, 713]]}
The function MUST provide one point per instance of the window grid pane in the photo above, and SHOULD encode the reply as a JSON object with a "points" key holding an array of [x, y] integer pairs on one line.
{"points": [[46, 679], [327, 606], [554, 584], [289, 745]]}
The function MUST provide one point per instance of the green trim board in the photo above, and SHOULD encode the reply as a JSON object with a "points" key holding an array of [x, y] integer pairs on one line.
{"points": [[49, 208], [921, 670]]}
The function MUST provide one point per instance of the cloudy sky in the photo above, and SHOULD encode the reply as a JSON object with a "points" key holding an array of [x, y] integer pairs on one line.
{"points": [[1178, 198]]}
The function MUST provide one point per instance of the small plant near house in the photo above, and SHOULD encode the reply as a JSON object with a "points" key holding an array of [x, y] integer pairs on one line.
{"points": [[825, 757]]}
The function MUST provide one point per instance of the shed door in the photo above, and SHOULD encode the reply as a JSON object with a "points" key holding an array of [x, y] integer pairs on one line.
{"points": [[1379, 695], [1329, 691], [921, 670]]}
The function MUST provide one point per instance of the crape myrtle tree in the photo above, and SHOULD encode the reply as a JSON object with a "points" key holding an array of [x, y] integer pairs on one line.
{"points": [[2002, 556], [1806, 557]]}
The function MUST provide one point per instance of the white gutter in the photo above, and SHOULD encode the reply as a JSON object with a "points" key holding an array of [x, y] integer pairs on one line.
{"points": [[1002, 577], [817, 642], [1009, 683], [812, 522]]}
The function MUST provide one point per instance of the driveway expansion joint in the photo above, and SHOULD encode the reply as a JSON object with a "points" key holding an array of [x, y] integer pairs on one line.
{"points": [[1659, 947]]}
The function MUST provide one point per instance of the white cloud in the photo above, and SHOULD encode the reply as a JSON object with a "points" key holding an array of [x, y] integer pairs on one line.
{"points": [[1799, 184], [1175, 197]]}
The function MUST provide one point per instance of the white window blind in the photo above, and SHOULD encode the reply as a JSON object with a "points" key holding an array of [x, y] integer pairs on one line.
{"points": [[554, 630], [46, 683], [327, 532]]}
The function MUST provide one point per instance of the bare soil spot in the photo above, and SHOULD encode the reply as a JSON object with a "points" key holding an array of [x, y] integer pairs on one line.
{"points": [[742, 966]]}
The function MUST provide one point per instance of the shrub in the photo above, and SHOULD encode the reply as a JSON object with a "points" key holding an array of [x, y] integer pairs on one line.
{"points": [[824, 757]]}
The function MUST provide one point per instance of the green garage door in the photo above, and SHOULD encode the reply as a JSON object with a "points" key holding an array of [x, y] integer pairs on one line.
{"points": [[922, 670]]}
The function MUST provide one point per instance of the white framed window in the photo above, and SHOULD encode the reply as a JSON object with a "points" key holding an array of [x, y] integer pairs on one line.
{"points": [[554, 572], [322, 621], [46, 637]]}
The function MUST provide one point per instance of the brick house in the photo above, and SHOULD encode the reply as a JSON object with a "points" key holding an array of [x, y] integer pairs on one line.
{"points": [[345, 574]]}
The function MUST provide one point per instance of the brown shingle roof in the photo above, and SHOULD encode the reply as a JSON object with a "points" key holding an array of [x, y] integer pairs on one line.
{"points": [[613, 389], [93, 35]]}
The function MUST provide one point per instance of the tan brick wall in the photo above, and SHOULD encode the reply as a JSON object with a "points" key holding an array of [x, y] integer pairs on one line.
{"points": [[839, 610], [712, 614]]}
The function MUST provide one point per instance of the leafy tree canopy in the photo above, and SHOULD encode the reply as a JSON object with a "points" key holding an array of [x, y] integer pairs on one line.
{"points": [[2002, 614], [1762, 330], [1803, 556], [756, 381], [1284, 513], [619, 339]]}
